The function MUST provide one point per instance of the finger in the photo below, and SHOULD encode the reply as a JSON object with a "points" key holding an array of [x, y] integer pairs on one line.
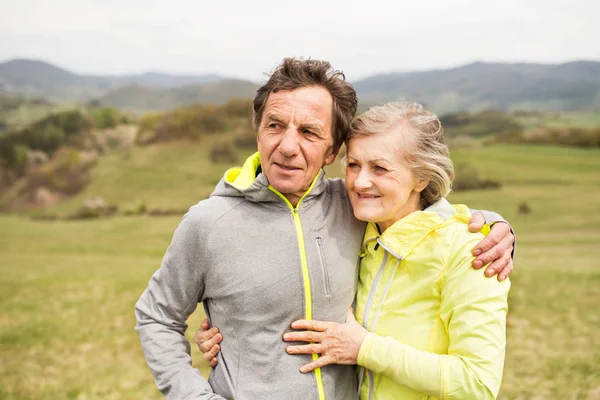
{"points": [[205, 325], [213, 363], [312, 325], [305, 336], [498, 232], [207, 345], [313, 348], [476, 222], [498, 265], [506, 271], [204, 335], [318, 363], [501, 251], [212, 353]]}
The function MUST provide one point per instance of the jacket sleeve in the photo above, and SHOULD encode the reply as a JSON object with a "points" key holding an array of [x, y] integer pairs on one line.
{"points": [[473, 309], [161, 313]]}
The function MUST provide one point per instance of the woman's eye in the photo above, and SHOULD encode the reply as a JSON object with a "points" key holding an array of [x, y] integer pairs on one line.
{"points": [[352, 165], [380, 169]]}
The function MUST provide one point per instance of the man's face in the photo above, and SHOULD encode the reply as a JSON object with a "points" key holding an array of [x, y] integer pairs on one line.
{"points": [[295, 139]]}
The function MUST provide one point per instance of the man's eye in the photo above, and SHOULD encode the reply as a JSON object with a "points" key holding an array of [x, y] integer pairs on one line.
{"points": [[308, 132], [273, 125]]}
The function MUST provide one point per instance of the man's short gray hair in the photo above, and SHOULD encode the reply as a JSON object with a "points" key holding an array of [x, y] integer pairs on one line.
{"points": [[424, 149]]}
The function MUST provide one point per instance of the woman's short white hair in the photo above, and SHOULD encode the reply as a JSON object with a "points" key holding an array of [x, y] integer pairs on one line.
{"points": [[422, 144]]}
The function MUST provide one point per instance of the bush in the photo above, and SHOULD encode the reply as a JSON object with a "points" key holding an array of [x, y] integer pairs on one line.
{"points": [[244, 136], [483, 123], [105, 117], [467, 178], [238, 108], [48, 134], [65, 173], [223, 152], [575, 137]]}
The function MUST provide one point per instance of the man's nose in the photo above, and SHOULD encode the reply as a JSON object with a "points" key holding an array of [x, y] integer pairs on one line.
{"points": [[290, 143]]}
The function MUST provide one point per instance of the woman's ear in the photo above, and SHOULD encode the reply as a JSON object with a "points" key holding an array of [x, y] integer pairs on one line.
{"points": [[421, 185]]}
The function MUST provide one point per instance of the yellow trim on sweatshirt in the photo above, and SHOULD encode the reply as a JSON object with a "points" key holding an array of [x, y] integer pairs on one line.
{"points": [[241, 178], [305, 272]]}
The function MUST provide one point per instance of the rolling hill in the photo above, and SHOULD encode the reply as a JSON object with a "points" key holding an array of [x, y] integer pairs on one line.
{"points": [[143, 98], [476, 86], [42, 79]]}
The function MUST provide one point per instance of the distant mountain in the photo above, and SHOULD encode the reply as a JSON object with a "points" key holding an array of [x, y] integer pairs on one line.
{"points": [[471, 87], [140, 98], [479, 85], [41, 79]]}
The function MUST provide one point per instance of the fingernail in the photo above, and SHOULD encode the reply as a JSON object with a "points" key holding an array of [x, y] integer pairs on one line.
{"points": [[502, 277], [478, 263], [286, 336], [303, 370], [489, 272], [476, 252]]}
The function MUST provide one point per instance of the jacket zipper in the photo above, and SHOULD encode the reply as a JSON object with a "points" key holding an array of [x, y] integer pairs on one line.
{"points": [[370, 300], [326, 282], [305, 276]]}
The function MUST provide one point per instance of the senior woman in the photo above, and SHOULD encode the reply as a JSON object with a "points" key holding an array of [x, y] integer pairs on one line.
{"points": [[430, 325]]}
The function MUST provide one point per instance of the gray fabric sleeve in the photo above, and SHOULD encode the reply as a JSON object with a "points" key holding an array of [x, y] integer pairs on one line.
{"points": [[491, 218], [161, 313]]}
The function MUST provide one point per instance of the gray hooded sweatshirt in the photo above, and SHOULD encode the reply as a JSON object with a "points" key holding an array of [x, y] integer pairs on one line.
{"points": [[257, 265]]}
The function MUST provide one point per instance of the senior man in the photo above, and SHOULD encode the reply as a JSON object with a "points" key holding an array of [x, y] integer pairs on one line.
{"points": [[274, 243]]}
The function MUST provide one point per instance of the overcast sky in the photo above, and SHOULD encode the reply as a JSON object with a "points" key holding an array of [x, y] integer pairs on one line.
{"points": [[247, 38]]}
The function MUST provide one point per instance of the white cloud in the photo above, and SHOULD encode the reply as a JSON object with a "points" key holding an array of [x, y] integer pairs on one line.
{"points": [[244, 39]]}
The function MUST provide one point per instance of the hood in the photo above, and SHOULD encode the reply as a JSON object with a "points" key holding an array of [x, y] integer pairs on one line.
{"points": [[404, 235], [244, 182]]}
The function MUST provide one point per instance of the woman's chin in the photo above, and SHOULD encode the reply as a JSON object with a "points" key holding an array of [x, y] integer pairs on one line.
{"points": [[365, 215]]}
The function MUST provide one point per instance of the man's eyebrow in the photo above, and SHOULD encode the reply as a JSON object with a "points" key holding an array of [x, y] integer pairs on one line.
{"points": [[311, 127], [273, 117]]}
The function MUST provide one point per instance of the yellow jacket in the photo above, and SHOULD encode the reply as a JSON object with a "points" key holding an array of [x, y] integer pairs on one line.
{"points": [[437, 327]]}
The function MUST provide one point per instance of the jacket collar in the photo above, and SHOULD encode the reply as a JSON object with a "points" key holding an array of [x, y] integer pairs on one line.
{"points": [[256, 187], [404, 235]]}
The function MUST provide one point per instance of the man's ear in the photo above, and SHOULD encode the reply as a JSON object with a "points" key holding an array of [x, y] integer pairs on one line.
{"points": [[333, 152]]}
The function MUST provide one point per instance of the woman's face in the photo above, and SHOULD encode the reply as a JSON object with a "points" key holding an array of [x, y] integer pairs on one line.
{"points": [[380, 184]]}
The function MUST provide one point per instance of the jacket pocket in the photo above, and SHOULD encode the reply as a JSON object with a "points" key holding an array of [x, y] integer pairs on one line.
{"points": [[323, 262]]}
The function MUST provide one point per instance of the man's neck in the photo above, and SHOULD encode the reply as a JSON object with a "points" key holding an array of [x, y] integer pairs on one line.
{"points": [[293, 198]]}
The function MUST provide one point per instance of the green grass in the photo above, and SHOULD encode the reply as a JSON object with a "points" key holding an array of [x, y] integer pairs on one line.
{"points": [[67, 289]]}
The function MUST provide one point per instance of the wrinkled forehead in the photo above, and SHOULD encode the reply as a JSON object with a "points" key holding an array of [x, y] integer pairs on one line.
{"points": [[312, 105]]}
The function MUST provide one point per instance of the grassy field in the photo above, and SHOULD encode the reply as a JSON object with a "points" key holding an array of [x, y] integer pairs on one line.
{"points": [[67, 289]]}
